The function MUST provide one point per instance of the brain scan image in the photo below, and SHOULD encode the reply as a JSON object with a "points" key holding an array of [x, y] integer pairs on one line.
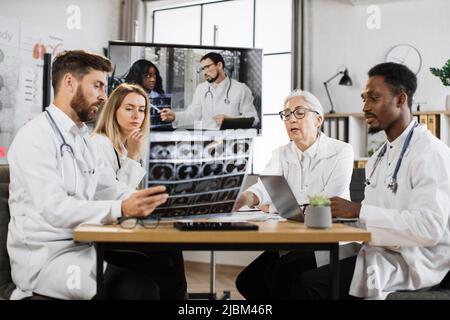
{"points": [[208, 185], [179, 201], [186, 172], [184, 188], [212, 169], [197, 210], [177, 212], [214, 149], [239, 147], [227, 195], [188, 150], [161, 171], [232, 182], [161, 150], [236, 166], [204, 198]]}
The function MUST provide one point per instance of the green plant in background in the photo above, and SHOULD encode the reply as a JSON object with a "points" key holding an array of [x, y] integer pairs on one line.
{"points": [[443, 73], [319, 201]]}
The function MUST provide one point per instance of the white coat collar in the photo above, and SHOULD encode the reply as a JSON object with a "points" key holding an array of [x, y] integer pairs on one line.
{"points": [[324, 149], [67, 124], [398, 142], [223, 84]]}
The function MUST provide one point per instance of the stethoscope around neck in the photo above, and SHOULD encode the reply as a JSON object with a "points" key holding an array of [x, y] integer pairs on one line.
{"points": [[392, 185], [226, 100], [66, 148]]}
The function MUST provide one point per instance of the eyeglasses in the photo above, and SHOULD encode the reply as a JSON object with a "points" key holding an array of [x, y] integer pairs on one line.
{"points": [[131, 222], [206, 67], [299, 113]]}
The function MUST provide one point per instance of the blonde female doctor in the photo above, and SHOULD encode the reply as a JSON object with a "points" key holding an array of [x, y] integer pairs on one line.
{"points": [[312, 163], [121, 133]]}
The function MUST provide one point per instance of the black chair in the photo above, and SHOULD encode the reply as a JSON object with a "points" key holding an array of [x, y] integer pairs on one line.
{"points": [[357, 185]]}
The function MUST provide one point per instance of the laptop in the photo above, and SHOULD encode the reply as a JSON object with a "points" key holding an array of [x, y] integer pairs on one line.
{"points": [[237, 123], [284, 200], [282, 197]]}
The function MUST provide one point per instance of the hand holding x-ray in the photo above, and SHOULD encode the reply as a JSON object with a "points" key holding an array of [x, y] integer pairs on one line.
{"points": [[143, 202]]}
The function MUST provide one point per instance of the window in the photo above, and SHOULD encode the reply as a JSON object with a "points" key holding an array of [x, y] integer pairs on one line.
{"points": [[265, 24]]}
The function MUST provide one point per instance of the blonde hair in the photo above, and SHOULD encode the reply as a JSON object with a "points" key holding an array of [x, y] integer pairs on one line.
{"points": [[107, 124]]}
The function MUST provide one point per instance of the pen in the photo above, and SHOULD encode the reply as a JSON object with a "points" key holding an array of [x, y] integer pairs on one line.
{"points": [[155, 107]]}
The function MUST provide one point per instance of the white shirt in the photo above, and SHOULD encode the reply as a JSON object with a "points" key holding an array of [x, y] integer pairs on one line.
{"points": [[410, 242], [130, 172], [209, 101], [42, 253]]}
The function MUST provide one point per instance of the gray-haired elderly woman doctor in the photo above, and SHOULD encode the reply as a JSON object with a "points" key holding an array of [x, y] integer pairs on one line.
{"points": [[312, 163]]}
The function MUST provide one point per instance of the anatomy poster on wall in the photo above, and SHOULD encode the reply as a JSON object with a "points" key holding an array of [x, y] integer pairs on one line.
{"points": [[22, 49]]}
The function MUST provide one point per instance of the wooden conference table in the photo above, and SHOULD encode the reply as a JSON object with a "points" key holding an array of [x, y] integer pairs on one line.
{"points": [[272, 235]]}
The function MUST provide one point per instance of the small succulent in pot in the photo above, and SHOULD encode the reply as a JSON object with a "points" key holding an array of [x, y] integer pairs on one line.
{"points": [[319, 201]]}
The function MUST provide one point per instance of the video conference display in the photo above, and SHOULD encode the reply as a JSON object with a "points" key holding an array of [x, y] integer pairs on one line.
{"points": [[179, 67], [203, 173]]}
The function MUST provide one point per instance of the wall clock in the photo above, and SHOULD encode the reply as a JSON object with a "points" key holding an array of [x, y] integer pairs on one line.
{"points": [[407, 55]]}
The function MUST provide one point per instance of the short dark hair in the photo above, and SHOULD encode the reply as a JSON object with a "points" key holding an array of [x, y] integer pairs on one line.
{"points": [[79, 63], [398, 76], [215, 57], [139, 70]]}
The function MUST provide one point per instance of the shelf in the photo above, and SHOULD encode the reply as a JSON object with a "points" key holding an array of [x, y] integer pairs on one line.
{"points": [[417, 113], [343, 115], [437, 121]]}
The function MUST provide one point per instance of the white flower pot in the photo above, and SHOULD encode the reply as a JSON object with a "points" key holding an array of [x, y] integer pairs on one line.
{"points": [[318, 217]]}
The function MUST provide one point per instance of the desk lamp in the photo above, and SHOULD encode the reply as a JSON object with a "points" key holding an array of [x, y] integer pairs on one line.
{"points": [[345, 81]]}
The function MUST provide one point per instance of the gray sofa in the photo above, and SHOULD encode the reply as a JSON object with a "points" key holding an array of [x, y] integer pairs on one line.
{"points": [[6, 284]]}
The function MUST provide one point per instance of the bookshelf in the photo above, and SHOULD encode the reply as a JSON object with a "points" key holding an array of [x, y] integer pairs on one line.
{"points": [[352, 128]]}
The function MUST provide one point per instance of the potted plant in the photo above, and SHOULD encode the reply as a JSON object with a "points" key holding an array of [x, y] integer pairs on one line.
{"points": [[444, 74], [318, 213]]}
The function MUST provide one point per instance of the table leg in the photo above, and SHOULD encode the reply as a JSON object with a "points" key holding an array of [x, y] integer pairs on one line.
{"points": [[334, 261], [100, 257]]}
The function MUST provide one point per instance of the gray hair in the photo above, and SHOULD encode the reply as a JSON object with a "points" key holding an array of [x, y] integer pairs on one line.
{"points": [[311, 99]]}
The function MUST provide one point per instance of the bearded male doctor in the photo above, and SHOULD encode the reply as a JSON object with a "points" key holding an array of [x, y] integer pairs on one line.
{"points": [[216, 99], [407, 200], [59, 182]]}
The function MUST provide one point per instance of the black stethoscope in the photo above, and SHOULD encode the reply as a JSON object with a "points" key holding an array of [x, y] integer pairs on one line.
{"points": [[393, 182], [226, 100], [66, 148]]}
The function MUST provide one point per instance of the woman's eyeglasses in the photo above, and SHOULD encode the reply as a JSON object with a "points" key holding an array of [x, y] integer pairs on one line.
{"points": [[299, 113], [131, 222]]}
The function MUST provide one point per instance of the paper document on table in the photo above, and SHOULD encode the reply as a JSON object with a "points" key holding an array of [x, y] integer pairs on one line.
{"points": [[252, 216]]}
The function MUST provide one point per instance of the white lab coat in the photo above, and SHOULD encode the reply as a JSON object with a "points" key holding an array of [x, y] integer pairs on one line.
{"points": [[131, 172], [205, 105], [410, 242], [329, 174], [44, 258]]}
